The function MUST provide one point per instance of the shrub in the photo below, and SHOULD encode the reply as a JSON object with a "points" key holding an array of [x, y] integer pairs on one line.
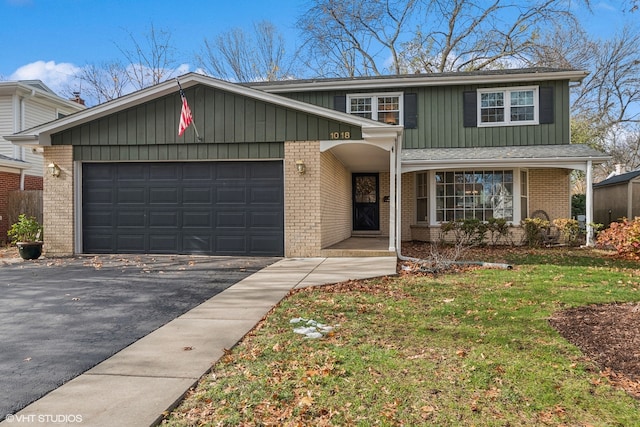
{"points": [[498, 229], [533, 231], [569, 230], [467, 232], [622, 236], [26, 229]]}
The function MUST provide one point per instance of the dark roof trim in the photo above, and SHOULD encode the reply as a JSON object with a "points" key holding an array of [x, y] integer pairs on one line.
{"points": [[618, 179], [519, 75]]}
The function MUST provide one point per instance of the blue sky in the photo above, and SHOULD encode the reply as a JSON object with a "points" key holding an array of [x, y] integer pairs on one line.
{"points": [[46, 39], [50, 39]]}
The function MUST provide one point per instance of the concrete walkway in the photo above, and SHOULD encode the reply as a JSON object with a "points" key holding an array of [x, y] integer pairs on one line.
{"points": [[135, 386]]}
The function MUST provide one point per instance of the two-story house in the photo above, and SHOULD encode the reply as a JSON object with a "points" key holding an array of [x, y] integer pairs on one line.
{"points": [[24, 104], [292, 168]]}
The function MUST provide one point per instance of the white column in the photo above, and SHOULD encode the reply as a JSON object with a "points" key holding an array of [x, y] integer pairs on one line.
{"points": [[589, 204], [399, 193], [392, 198]]}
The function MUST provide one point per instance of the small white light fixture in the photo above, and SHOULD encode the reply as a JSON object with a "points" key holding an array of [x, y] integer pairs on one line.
{"points": [[54, 170], [301, 167]]}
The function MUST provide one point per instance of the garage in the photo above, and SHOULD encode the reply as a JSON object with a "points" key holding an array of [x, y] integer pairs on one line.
{"points": [[212, 208]]}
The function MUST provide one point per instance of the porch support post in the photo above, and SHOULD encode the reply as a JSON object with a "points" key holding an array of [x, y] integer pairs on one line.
{"points": [[392, 198], [589, 204], [398, 159]]}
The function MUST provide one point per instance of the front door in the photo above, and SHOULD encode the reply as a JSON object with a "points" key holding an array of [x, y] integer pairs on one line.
{"points": [[366, 207]]}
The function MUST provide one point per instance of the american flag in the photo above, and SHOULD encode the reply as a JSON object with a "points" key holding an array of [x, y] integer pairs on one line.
{"points": [[185, 115]]}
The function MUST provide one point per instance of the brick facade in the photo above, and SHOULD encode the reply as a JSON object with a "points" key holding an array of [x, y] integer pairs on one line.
{"points": [[335, 200], [59, 203], [302, 208], [550, 191]]}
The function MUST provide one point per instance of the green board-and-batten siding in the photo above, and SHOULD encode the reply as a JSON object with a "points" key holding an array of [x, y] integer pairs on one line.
{"points": [[231, 126], [440, 121]]}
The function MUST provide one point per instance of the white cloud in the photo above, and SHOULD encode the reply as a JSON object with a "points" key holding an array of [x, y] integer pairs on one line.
{"points": [[59, 77]]}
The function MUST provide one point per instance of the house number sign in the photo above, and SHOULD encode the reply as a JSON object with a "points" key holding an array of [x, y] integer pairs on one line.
{"points": [[340, 135]]}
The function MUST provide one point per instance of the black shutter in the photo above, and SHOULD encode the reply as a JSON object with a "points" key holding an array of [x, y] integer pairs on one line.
{"points": [[470, 109], [546, 105], [410, 110], [340, 103]]}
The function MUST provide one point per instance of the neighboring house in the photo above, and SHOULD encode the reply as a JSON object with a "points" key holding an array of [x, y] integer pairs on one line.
{"points": [[617, 197], [292, 168], [24, 104]]}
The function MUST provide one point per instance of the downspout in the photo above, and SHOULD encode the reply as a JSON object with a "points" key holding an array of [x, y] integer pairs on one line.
{"points": [[23, 125]]}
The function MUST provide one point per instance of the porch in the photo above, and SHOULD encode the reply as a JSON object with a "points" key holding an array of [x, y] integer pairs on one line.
{"points": [[358, 246]]}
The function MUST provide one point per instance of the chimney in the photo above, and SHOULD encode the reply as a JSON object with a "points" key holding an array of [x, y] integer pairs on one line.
{"points": [[618, 169], [76, 98]]}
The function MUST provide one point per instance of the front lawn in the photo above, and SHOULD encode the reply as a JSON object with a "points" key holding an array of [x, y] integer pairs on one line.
{"points": [[473, 347]]}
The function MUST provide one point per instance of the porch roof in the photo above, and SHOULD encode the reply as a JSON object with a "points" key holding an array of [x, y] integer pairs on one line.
{"points": [[571, 156]]}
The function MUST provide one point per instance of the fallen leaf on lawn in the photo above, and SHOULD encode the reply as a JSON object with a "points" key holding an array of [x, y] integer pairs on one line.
{"points": [[461, 353], [448, 300], [305, 401]]}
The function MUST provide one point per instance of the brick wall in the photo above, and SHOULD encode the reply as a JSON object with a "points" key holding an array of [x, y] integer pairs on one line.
{"points": [[33, 182], [550, 190], [58, 202], [408, 214], [302, 207], [335, 200]]}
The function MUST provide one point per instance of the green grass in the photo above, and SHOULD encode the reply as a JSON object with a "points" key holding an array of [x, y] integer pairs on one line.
{"points": [[470, 348]]}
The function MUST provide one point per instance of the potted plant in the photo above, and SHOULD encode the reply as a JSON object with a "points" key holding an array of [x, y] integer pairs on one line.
{"points": [[27, 236]]}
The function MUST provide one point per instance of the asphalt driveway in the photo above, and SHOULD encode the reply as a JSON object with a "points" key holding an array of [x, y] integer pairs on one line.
{"points": [[60, 317]]}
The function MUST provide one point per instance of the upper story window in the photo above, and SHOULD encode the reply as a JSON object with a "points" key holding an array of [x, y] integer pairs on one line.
{"points": [[512, 106], [385, 108]]}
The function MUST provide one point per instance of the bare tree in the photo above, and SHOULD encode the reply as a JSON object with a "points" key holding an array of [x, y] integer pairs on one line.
{"points": [[152, 60], [613, 87], [236, 55], [606, 106], [347, 37], [103, 82], [625, 148], [406, 36]]}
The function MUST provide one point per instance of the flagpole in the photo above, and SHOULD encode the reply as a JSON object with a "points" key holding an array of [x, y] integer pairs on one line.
{"points": [[193, 122]]}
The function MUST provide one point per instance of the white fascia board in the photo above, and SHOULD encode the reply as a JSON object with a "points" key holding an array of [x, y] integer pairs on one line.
{"points": [[7, 165], [565, 163], [25, 90], [43, 132], [388, 133], [412, 81]]}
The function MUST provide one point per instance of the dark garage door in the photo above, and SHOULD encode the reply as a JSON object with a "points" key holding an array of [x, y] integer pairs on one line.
{"points": [[214, 208]]}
